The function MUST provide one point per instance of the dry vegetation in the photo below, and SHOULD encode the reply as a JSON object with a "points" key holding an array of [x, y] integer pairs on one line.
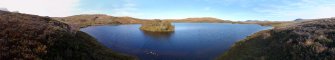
{"points": [[31, 37], [308, 40]]}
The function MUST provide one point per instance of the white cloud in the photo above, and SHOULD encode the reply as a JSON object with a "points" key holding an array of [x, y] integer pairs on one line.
{"points": [[308, 9], [115, 8], [54, 8]]}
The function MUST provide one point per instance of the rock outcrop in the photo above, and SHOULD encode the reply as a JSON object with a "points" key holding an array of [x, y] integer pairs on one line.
{"points": [[157, 26]]}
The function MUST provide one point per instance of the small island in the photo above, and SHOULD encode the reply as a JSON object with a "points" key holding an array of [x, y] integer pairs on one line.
{"points": [[157, 26]]}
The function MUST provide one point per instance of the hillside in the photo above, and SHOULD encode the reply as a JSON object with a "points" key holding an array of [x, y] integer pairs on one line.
{"points": [[308, 40], [31, 37]]}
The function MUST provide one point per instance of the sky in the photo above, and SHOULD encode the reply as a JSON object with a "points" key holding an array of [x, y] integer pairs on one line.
{"points": [[236, 10]]}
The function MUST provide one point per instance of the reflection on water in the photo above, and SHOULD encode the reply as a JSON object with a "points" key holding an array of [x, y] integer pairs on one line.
{"points": [[189, 41], [158, 35]]}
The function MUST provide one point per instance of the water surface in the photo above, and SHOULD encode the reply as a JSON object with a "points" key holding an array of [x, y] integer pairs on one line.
{"points": [[190, 41]]}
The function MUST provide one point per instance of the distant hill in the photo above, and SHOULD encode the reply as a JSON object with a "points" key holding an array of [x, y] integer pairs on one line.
{"points": [[101, 19], [85, 20], [299, 19], [97, 19], [307, 40], [266, 23], [3, 9], [31, 37], [302, 20], [201, 20]]}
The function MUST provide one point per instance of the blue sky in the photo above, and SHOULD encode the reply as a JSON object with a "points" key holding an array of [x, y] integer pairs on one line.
{"points": [[236, 10]]}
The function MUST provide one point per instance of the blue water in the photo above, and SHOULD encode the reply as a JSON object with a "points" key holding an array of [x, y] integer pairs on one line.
{"points": [[190, 41]]}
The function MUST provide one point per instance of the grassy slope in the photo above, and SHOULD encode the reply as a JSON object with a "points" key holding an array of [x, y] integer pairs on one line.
{"points": [[310, 40], [31, 37]]}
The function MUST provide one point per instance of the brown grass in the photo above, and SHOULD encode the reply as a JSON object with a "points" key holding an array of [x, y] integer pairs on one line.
{"points": [[310, 40], [31, 37]]}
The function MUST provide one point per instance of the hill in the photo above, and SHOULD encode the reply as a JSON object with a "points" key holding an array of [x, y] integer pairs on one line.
{"points": [[3, 9], [267, 23], [201, 20], [97, 19], [31, 37], [85, 20], [307, 40]]}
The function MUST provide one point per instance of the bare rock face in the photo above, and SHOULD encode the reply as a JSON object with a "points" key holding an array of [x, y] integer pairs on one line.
{"points": [[157, 26]]}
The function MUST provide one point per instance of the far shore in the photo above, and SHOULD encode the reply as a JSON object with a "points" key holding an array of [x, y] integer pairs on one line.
{"points": [[82, 21]]}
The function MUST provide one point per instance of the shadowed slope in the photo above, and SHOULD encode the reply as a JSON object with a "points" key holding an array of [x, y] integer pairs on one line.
{"points": [[31, 37]]}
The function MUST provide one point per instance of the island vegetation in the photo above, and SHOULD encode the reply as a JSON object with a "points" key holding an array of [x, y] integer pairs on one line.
{"points": [[307, 40], [157, 26], [32, 37]]}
